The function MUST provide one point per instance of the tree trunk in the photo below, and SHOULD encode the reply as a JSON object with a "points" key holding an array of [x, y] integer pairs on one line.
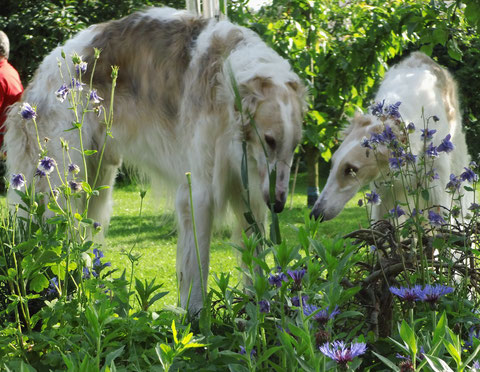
{"points": [[311, 159]]}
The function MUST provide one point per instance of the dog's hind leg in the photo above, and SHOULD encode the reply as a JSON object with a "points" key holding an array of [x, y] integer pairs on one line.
{"points": [[188, 269]]}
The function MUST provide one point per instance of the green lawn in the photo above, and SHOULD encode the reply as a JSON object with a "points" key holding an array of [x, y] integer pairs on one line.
{"points": [[153, 235]]}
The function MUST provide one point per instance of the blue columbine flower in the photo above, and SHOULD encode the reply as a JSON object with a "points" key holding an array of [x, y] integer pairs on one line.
{"points": [[94, 97], [365, 142], [377, 108], [360, 202], [17, 181], [28, 112], [340, 353], [264, 306], [40, 173], [407, 294], [469, 175], [397, 211], [276, 280], [410, 127], [387, 135], [433, 175], [431, 151], [62, 93], [97, 225], [53, 287], [435, 118], [446, 145], [243, 351], [395, 162], [410, 158], [474, 207], [86, 273], [454, 183], [392, 110], [75, 186], [76, 85], [73, 168], [373, 198], [431, 293], [435, 219], [322, 316], [81, 67], [47, 165], [427, 134]]}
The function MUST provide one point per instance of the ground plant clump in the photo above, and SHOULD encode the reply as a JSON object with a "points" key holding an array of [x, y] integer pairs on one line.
{"points": [[399, 294]]}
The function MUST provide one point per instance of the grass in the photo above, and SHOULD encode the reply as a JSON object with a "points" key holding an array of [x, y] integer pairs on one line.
{"points": [[153, 236]]}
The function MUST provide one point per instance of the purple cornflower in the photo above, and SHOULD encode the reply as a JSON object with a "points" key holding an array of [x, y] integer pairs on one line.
{"points": [[410, 127], [469, 175], [407, 294], [476, 366], [17, 181], [397, 211], [94, 97], [53, 287], [377, 108], [431, 293], [392, 110], [446, 145], [73, 168], [340, 353], [276, 280], [373, 198], [454, 183], [76, 85], [47, 165], [27, 111], [427, 134], [435, 218], [431, 151], [62, 93], [75, 186], [321, 316], [296, 301], [297, 276], [264, 306]]}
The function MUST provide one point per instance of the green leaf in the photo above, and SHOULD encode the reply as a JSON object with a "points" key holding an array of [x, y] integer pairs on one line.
{"points": [[89, 152], [38, 283], [437, 364], [408, 336], [113, 355]]}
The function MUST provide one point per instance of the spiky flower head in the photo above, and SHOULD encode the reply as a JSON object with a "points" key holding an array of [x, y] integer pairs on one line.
{"points": [[340, 353]]}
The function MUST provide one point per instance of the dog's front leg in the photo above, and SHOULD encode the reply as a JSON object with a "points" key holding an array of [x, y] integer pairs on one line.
{"points": [[188, 268]]}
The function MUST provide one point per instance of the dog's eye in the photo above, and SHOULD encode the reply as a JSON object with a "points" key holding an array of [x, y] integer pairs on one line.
{"points": [[351, 170], [270, 141]]}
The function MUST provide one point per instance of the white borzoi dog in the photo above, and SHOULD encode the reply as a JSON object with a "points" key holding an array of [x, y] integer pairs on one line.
{"points": [[420, 85], [175, 112]]}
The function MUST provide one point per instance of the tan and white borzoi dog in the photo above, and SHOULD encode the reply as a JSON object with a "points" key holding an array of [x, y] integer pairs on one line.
{"points": [[418, 83], [174, 113]]}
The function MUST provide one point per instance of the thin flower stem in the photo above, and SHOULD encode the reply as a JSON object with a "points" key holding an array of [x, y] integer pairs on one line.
{"points": [[189, 180]]}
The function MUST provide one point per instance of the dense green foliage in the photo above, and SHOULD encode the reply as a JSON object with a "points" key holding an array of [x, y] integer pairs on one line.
{"points": [[343, 48]]}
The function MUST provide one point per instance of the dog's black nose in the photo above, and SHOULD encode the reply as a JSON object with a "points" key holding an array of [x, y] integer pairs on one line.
{"points": [[278, 206]]}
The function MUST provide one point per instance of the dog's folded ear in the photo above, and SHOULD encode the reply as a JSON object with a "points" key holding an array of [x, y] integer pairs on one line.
{"points": [[253, 91]]}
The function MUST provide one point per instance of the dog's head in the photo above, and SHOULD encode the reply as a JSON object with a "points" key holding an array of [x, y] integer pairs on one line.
{"points": [[275, 131], [352, 166]]}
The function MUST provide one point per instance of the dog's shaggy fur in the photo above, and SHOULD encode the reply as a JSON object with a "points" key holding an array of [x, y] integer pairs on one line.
{"points": [[419, 84], [175, 112]]}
